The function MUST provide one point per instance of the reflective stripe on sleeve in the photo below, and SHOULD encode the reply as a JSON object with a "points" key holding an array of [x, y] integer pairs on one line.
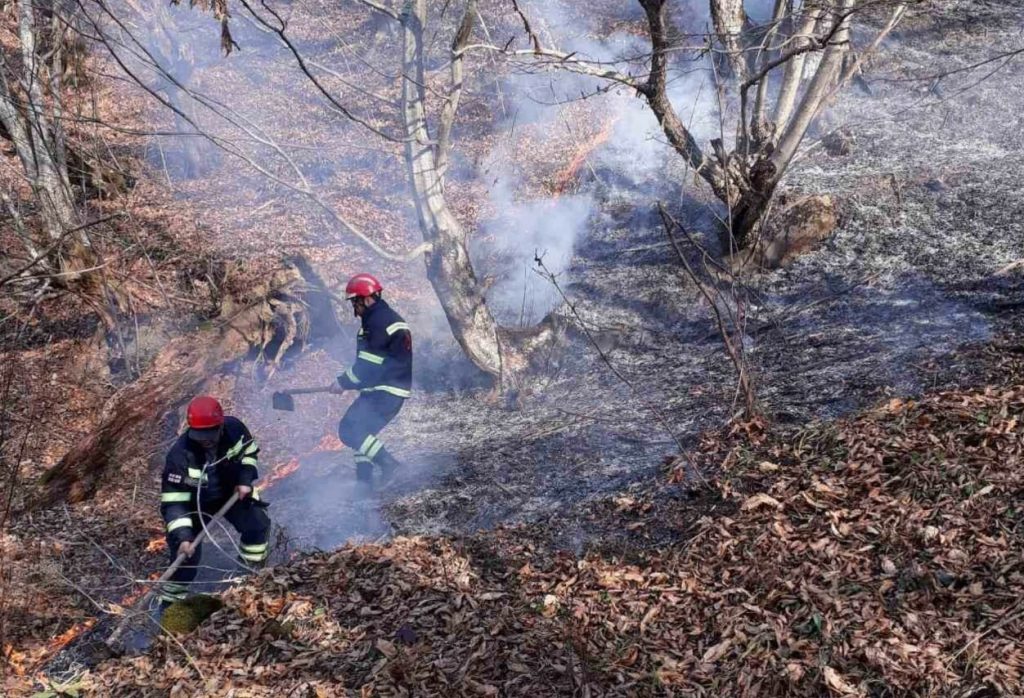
{"points": [[182, 522], [397, 327], [236, 449], [176, 497], [371, 357], [350, 374], [256, 548], [249, 460], [251, 448]]}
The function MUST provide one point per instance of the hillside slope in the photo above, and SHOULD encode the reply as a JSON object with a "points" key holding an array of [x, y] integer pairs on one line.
{"points": [[877, 555]]}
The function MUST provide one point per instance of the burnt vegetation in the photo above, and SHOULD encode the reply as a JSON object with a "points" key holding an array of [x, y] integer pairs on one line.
{"points": [[716, 307]]}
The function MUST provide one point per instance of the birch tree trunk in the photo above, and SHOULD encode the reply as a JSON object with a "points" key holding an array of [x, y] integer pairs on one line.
{"points": [[449, 268], [34, 127]]}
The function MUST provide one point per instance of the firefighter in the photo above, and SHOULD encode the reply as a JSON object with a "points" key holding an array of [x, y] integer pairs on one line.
{"points": [[213, 458], [382, 373]]}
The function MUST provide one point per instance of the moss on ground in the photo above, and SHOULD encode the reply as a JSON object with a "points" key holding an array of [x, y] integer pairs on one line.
{"points": [[185, 616]]}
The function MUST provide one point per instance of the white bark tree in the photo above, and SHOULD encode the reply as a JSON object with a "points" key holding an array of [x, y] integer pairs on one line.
{"points": [[31, 113], [767, 59]]}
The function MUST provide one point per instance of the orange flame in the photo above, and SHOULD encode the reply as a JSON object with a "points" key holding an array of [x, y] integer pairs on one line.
{"points": [[157, 545], [329, 442], [567, 175], [68, 635], [280, 472]]}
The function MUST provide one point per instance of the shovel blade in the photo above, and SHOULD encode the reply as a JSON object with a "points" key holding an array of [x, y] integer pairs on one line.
{"points": [[284, 402]]}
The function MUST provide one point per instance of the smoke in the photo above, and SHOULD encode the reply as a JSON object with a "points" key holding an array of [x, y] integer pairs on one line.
{"points": [[521, 231], [631, 154]]}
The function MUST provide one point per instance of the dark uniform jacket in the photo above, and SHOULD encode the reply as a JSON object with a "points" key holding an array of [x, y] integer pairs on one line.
{"points": [[185, 476], [383, 354]]}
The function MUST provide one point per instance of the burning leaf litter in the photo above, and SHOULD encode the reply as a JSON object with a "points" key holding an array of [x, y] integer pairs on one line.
{"points": [[872, 556]]}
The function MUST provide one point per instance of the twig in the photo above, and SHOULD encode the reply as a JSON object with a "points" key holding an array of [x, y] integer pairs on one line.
{"points": [[735, 354], [1015, 612], [655, 412], [53, 247]]}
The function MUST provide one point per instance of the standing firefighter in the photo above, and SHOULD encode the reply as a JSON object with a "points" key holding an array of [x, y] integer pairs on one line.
{"points": [[382, 373], [215, 457]]}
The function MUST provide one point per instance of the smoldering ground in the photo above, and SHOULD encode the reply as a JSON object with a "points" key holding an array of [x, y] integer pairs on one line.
{"points": [[848, 324]]}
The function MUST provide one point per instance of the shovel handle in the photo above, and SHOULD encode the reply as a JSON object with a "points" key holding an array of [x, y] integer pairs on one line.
{"points": [[307, 391], [178, 562]]}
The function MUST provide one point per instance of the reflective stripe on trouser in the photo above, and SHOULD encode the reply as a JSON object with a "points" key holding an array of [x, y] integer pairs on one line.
{"points": [[256, 552], [173, 591], [247, 517], [364, 420]]}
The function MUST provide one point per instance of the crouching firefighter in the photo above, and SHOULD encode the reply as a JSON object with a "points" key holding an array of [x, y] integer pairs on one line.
{"points": [[215, 457], [382, 373]]}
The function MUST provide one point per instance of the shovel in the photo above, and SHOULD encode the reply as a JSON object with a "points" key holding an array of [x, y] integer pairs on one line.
{"points": [[282, 400], [116, 648]]}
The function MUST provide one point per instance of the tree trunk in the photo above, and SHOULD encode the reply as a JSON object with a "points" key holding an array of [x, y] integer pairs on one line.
{"points": [[730, 20], [39, 140], [449, 268]]}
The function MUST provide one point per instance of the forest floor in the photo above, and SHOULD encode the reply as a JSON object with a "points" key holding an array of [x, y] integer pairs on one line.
{"points": [[914, 294]]}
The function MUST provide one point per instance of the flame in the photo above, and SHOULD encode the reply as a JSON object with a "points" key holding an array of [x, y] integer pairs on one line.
{"points": [[61, 641], [16, 659], [568, 174], [157, 545], [280, 472], [329, 442]]}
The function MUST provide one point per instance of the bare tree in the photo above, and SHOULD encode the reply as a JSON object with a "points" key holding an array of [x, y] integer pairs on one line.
{"points": [[32, 116], [448, 263], [426, 138], [767, 58]]}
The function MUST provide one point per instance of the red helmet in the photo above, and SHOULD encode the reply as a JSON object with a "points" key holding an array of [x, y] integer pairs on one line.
{"points": [[361, 286], [204, 412]]}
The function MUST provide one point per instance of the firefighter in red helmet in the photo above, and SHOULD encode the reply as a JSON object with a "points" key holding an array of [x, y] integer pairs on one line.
{"points": [[381, 372], [214, 457]]}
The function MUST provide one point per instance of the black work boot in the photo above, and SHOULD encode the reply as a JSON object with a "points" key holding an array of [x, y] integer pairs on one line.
{"points": [[389, 467], [364, 479]]}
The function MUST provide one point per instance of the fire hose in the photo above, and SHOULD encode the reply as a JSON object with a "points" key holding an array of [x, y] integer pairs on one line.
{"points": [[178, 562]]}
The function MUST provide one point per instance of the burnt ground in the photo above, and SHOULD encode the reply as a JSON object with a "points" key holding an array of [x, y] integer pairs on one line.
{"points": [[907, 286], [905, 297], [900, 300]]}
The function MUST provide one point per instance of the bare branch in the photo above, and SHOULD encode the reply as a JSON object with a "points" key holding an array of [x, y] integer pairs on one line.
{"points": [[53, 248], [565, 61], [851, 70], [656, 92], [526, 25], [451, 104], [378, 7], [304, 67]]}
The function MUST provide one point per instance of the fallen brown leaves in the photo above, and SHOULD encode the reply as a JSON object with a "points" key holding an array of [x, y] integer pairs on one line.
{"points": [[877, 556]]}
